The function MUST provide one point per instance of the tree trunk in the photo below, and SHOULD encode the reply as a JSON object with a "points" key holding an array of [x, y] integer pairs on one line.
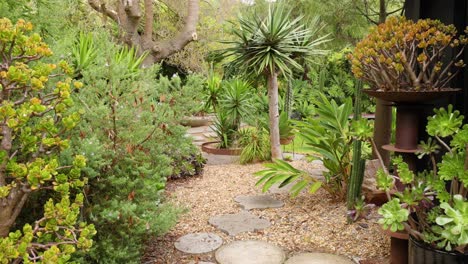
{"points": [[10, 208], [274, 116], [5, 214], [128, 16]]}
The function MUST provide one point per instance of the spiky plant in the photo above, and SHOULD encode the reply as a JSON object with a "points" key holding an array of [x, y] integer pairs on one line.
{"points": [[272, 45]]}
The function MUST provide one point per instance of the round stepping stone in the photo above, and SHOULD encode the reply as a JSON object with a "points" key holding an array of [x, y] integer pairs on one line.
{"points": [[318, 258], [233, 224], [198, 243], [250, 252], [258, 202]]}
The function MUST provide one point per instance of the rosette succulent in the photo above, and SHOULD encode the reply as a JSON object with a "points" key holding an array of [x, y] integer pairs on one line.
{"points": [[432, 205]]}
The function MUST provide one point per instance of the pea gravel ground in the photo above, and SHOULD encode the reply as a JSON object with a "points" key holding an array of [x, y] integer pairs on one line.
{"points": [[307, 223]]}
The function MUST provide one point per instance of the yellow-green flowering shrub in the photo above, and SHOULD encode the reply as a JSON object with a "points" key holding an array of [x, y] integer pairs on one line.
{"points": [[35, 98], [404, 55]]}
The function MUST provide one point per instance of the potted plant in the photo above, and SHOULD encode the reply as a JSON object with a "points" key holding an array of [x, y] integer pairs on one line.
{"points": [[405, 62], [233, 105], [431, 206], [405, 56]]}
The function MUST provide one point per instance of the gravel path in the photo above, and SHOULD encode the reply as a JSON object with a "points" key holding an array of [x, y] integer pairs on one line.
{"points": [[307, 223]]}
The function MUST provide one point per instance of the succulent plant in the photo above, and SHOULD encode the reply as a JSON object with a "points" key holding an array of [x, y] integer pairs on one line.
{"points": [[402, 55]]}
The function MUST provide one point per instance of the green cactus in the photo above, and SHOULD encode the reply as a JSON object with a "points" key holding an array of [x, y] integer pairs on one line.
{"points": [[357, 171]]}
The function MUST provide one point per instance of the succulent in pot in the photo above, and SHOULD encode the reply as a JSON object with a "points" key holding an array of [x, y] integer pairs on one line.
{"points": [[431, 206], [403, 55]]}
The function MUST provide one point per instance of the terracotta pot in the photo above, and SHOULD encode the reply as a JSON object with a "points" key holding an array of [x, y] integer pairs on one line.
{"points": [[421, 253], [212, 148]]}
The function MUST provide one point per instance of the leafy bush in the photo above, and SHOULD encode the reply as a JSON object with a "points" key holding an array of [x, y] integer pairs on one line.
{"points": [[328, 135], [131, 134], [35, 114], [331, 77], [255, 144]]}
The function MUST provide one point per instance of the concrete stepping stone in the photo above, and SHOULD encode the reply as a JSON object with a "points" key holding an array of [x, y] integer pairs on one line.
{"points": [[210, 135], [233, 224], [318, 258], [198, 243], [250, 252], [317, 162], [258, 202], [198, 138], [195, 130]]}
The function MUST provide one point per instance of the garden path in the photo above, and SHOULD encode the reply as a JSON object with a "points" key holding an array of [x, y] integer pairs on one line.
{"points": [[307, 223]]}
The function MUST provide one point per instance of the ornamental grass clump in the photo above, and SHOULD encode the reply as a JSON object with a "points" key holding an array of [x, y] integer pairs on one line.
{"points": [[402, 55]]}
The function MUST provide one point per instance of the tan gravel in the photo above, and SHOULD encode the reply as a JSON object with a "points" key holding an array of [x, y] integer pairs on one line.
{"points": [[307, 223]]}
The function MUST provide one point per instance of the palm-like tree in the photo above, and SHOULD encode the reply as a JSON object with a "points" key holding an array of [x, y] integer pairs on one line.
{"points": [[272, 46]]}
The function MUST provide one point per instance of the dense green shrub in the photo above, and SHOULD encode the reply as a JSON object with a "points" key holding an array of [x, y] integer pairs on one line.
{"points": [[331, 77], [35, 109], [131, 135], [328, 136]]}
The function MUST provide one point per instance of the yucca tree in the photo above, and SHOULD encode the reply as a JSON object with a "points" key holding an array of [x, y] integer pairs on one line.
{"points": [[271, 45]]}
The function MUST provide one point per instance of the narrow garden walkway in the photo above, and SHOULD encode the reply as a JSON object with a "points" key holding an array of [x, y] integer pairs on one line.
{"points": [[230, 221], [307, 223]]}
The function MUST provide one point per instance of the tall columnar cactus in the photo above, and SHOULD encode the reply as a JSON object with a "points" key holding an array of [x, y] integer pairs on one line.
{"points": [[357, 171]]}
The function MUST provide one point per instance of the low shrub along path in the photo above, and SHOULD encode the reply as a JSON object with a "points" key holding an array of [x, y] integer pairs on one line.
{"points": [[307, 223]]}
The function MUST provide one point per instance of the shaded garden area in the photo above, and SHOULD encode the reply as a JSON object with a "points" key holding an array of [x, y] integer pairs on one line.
{"points": [[228, 131]]}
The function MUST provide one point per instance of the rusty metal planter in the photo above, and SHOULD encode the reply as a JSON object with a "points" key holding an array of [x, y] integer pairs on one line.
{"points": [[212, 148]]}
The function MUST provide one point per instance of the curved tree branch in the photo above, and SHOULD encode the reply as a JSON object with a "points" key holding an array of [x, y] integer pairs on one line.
{"points": [[188, 33], [101, 8]]}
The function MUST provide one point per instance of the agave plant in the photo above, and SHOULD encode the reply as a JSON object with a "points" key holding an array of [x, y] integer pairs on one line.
{"points": [[130, 57], [83, 53], [236, 100], [212, 90], [271, 46]]}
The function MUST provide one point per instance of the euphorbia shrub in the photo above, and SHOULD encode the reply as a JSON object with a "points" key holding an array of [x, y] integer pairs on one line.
{"points": [[33, 119]]}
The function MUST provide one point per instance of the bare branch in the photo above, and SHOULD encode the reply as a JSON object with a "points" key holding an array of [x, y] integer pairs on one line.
{"points": [[149, 17], [101, 8], [187, 34]]}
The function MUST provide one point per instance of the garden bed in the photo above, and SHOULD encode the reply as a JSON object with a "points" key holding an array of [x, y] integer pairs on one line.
{"points": [[306, 223]]}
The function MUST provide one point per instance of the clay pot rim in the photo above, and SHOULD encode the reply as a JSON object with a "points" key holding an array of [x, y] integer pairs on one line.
{"points": [[404, 96], [229, 152]]}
